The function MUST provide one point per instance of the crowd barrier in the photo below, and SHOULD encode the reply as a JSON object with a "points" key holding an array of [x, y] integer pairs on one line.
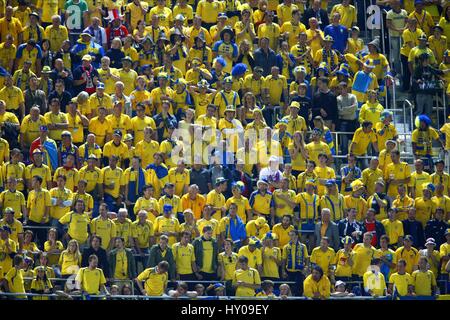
{"points": [[234, 298]]}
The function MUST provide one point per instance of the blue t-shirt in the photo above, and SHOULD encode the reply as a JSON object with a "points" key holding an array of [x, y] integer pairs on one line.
{"points": [[340, 36]]}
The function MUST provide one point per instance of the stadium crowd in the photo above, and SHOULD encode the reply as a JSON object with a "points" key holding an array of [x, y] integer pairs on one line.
{"points": [[187, 148]]}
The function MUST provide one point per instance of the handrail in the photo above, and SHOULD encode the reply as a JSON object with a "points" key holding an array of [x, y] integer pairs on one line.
{"points": [[411, 106], [166, 297]]}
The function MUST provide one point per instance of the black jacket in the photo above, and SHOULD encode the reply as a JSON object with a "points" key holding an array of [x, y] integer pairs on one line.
{"points": [[102, 259], [415, 229], [436, 229], [156, 257], [198, 249], [265, 60], [328, 102], [321, 15], [346, 229]]}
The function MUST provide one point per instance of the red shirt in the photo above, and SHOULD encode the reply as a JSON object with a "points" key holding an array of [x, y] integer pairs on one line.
{"points": [[370, 226]]}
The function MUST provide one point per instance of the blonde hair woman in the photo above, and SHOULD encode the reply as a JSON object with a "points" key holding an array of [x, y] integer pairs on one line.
{"points": [[246, 114], [70, 259], [298, 153]]}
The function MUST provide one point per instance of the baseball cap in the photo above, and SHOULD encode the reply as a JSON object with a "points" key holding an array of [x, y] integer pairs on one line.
{"points": [[167, 207], [100, 85], [261, 181], [92, 156], [430, 241], [310, 183], [37, 151], [295, 104], [260, 221], [118, 133], [66, 133], [347, 240], [253, 241], [447, 232], [409, 237], [220, 180], [43, 128], [128, 137], [86, 57], [9, 210], [330, 182], [339, 283]]}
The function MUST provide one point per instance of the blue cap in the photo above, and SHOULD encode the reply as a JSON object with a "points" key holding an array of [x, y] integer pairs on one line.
{"points": [[43, 128], [238, 69], [100, 85], [416, 2], [221, 61], [330, 182], [167, 207]]}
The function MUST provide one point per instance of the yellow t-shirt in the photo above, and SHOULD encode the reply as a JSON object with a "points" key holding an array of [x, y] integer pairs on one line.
{"points": [[310, 287], [78, 225], [423, 281], [397, 171], [394, 229], [361, 141], [13, 200], [410, 256], [323, 259], [154, 282], [250, 276], [401, 282], [70, 264], [316, 148], [362, 258], [216, 199], [254, 258], [183, 256], [57, 212], [143, 233], [163, 224], [36, 203], [270, 267], [115, 176], [375, 282], [91, 280], [341, 260], [105, 229], [229, 264]]}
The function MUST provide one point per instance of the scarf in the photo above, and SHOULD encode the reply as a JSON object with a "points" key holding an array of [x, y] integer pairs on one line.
{"points": [[86, 151], [325, 57], [135, 187], [235, 229], [297, 263], [340, 206], [51, 158], [160, 170], [89, 83], [38, 34], [67, 151]]}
